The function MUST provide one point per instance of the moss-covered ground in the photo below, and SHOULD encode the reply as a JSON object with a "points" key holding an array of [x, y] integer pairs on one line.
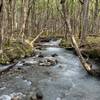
{"points": [[13, 50]]}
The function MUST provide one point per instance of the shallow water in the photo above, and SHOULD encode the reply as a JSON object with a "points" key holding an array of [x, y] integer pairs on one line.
{"points": [[67, 80]]}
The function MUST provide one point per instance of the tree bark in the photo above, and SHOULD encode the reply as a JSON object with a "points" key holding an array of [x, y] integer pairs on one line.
{"points": [[84, 32]]}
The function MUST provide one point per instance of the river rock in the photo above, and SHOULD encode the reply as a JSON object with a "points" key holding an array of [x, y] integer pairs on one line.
{"points": [[39, 95], [17, 96], [40, 55], [32, 98], [48, 61], [54, 55]]}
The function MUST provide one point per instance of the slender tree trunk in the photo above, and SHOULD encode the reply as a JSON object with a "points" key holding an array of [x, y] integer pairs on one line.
{"points": [[85, 6], [94, 26], [2, 23]]}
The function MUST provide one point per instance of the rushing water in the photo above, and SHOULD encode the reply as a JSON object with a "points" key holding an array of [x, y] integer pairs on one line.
{"points": [[72, 80], [67, 80]]}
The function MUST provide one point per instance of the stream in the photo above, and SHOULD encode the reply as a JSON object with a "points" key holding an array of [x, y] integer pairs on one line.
{"points": [[65, 79]]}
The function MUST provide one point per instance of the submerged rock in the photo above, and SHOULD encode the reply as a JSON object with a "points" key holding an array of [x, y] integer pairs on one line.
{"points": [[28, 62], [54, 55], [39, 95], [40, 55], [19, 64], [32, 97]]}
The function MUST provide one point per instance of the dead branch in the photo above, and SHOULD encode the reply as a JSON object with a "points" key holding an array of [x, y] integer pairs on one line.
{"points": [[81, 2], [7, 68], [32, 42]]}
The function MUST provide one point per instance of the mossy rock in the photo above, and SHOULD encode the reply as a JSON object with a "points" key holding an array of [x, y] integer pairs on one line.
{"points": [[15, 50], [4, 59]]}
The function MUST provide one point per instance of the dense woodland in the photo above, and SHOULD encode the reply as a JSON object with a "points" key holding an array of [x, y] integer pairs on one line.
{"points": [[22, 20]]}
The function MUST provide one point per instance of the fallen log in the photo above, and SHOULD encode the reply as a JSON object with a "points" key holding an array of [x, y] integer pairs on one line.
{"points": [[87, 65], [7, 68], [31, 43]]}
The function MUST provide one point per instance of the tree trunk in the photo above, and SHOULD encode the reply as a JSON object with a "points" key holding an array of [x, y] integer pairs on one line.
{"points": [[66, 19], [2, 23], [94, 26], [85, 7]]}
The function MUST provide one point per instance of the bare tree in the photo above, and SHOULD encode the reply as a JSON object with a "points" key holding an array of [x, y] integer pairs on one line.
{"points": [[85, 8]]}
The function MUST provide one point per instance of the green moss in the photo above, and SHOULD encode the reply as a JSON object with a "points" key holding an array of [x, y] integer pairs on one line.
{"points": [[4, 59], [15, 50]]}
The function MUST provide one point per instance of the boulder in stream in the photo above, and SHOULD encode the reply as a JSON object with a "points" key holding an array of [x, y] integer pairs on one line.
{"points": [[54, 55], [48, 61]]}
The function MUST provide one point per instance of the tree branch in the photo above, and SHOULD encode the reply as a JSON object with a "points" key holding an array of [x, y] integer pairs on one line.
{"points": [[81, 1], [62, 1]]}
